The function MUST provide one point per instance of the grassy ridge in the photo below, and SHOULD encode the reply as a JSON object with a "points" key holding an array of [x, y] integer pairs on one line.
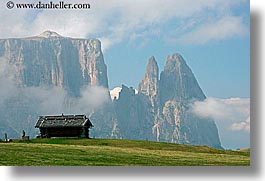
{"points": [[114, 152]]}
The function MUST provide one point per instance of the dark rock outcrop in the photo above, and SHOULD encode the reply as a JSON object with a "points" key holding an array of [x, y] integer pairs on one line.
{"points": [[134, 115]]}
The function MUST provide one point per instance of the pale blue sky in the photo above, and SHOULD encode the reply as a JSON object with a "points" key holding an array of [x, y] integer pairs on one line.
{"points": [[222, 67]]}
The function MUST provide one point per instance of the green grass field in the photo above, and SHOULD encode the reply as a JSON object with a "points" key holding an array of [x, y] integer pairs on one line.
{"points": [[110, 152]]}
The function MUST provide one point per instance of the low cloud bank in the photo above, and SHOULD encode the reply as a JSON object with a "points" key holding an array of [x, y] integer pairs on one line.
{"points": [[20, 106], [50, 99], [235, 111]]}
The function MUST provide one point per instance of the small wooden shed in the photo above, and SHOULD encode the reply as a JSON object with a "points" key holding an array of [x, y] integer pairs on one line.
{"points": [[64, 126]]}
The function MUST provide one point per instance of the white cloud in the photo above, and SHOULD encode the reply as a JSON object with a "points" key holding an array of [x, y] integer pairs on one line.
{"points": [[51, 100], [233, 111], [91, 98], [117, 20], [241, 126], [55, 100], [224, 28], [8, 85]]}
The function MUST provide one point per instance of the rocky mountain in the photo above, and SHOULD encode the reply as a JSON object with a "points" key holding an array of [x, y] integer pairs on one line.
{"points": [[134, 115], [149, 85], [50, 73], [50, 59], [166, 106], [177, 81], [46, 74], [178, 89]]}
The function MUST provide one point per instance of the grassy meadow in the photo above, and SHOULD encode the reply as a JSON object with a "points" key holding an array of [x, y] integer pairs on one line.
{"points": [[110, 152]]}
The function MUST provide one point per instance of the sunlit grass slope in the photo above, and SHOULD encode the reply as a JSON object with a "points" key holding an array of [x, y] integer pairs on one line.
{"points": [[110, 152]]}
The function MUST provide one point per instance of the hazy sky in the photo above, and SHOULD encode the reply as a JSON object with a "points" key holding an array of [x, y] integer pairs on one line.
{"points": [[211, 35]]}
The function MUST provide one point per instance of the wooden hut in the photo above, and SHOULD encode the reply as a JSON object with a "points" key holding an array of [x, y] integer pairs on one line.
{"points": [[64, 126]]}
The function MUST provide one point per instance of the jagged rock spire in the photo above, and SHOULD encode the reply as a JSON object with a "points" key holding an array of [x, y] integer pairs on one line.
{"points": [[177, 81], [149, 84]]}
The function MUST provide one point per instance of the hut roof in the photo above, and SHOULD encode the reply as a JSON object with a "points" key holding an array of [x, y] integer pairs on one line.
{"points": [[63, 121]]}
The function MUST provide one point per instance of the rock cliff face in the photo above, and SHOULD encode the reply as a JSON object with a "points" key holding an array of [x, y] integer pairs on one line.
{"points": [[41, 70], [149, 85], [50, 59], [159, 111], [177, 81], [134, 115], [170, 97]]}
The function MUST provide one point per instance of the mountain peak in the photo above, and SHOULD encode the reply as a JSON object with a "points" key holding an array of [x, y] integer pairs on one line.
{"points": [[151, 60], [151, 74], [174, 61], [49, 34], [149, 84], [152, 67], [178, 81]]}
